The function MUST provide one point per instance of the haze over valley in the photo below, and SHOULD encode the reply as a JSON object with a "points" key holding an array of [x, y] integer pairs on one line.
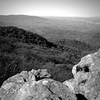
{"points": [[51, 41], [45, 39], [57, 28]]}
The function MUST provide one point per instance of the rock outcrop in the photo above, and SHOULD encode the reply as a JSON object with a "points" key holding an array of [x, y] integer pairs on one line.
{"points": [[86, 79], [34, 85], [37, 85]]}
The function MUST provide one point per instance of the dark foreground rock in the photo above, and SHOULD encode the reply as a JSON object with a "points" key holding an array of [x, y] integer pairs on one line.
{"points": [[34, 85]]}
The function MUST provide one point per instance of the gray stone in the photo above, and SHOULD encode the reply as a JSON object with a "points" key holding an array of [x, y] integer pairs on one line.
{"points": [[25, 86], [86, 77]]}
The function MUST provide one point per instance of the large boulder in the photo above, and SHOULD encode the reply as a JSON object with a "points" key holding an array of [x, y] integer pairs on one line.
{"points": [[34, 85], [86, 79]]}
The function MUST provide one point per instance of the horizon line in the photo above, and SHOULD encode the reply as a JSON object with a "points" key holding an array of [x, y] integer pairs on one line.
{"points": [[49, 16]]}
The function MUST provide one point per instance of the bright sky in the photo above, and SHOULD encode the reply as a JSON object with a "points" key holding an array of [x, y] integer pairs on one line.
{"points": [[73, 8]]}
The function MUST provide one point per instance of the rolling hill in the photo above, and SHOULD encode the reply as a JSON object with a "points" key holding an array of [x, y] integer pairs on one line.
{"points": [[24, 50], [53, 28]]}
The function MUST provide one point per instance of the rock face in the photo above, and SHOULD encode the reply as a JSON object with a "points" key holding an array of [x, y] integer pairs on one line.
{"points": [[32, 86], [86, 77]]}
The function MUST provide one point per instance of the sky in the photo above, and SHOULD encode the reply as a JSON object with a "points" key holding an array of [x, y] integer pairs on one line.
{"points": [[62, 8]]}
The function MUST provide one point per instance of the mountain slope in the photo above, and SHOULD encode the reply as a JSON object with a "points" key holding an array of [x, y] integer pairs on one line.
{"points": [[23, 50], [82, 29], [75, 44], [21, 35]]}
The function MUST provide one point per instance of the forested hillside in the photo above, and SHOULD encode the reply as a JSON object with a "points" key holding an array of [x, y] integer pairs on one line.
{"points": [[57, 28], [23, 50]]}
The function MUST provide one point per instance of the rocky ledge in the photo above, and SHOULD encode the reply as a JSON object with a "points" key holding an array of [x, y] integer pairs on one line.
{"points": [[34, 85], [86, 79], [37, 84]]}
